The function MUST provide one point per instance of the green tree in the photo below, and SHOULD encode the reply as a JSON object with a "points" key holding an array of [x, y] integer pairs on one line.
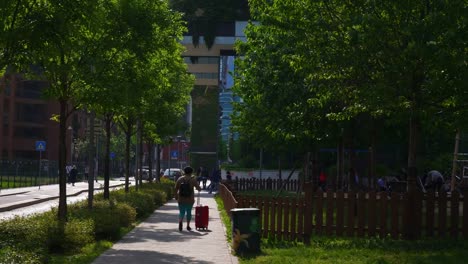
{"points": [[62, 35], [309, 67]]}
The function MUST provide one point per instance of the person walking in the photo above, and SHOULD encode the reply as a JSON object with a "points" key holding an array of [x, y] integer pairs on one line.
{"points": [[73, 175], [215, 179], [228, 176], [185, 197], [205, 176], [86, 172], [433, 180]]}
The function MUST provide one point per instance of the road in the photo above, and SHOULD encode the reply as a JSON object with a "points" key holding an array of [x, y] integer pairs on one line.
{"points": [[31, 200]]}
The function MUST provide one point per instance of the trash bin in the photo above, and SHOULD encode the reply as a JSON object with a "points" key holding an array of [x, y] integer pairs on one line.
{"points": [[245, 230]]}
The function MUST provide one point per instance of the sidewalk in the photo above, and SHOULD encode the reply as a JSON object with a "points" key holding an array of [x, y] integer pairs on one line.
{"points": [[11, 199], [158, 240]]}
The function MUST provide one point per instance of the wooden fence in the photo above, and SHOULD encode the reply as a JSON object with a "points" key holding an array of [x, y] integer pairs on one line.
{"points": [[265, 184], [357, 214]]}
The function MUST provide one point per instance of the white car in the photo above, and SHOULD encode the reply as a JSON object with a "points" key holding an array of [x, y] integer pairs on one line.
{"points": [[174, 174], [145, 173]]}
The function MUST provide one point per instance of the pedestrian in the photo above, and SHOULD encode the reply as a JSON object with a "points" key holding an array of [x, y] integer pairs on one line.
{"points": [[199, 177], [185, 196], [228, 176], [215, 179], [323, 181], [73, 175], [68, 168], [86, 172], [381, 185], [433, 180], [205, 175]]}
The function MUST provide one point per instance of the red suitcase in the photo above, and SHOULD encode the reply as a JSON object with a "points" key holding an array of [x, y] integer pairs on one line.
{"points": [[201, 215]]}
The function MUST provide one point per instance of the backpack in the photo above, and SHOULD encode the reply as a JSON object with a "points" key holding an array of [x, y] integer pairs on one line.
{"points": [[185, 189]]}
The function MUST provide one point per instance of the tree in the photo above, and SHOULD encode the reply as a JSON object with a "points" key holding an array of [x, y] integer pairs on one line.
{"points": [[61, 37], [140, 63], [312, 66]]}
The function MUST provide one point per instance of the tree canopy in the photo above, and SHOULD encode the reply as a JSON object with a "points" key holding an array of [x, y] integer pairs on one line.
{"points": [[309, 67]]}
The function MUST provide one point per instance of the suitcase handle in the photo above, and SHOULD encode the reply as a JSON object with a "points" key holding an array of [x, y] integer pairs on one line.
{"points": [[198, 198]]}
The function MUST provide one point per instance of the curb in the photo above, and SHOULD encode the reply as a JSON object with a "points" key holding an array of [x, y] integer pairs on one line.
{"points": [[30, 202]]}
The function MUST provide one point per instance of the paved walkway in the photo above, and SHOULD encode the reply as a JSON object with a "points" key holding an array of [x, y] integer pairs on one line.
{"points": [[158, 240]]}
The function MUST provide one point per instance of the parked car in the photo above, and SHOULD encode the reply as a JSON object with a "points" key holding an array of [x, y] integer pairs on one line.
{"points": [[145, 173], [174, 174]]}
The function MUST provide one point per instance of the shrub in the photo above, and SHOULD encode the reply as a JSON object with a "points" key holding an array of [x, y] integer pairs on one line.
{"points": [[25, 232], [11, 255], [142, 202], [160, 197], [127, 214], [71, 237], [107, 216]]}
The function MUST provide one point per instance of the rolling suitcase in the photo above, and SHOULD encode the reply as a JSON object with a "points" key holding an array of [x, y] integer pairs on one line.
{"points": [[201, 215]]}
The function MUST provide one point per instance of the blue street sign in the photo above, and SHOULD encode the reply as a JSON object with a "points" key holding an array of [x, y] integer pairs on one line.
{"points": [[112, 155], [174, 154], [40, 145]]}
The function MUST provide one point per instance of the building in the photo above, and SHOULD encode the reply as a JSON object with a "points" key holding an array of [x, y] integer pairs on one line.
{"points": [[212, 97], [26, 119]]}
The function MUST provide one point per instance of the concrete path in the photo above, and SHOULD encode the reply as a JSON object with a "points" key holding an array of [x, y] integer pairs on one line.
{"points": [[158, 240]]}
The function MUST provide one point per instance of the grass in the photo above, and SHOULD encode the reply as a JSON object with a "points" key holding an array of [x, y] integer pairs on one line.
{"points": [[87, 255], [355, 250]]}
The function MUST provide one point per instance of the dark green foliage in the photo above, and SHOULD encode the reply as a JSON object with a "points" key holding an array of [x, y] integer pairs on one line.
{"points": [[25, 233], [69, 238], [142, 202], [32, 239], [107, 216], [11, 255]]}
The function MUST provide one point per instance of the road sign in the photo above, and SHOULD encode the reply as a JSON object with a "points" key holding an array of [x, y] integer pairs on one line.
{"points": [[174, 154], [40, 145], [112, 155]]}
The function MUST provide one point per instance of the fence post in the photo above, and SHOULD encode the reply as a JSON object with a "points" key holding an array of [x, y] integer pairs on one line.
{"points": [[410, 220], [308, 196]]}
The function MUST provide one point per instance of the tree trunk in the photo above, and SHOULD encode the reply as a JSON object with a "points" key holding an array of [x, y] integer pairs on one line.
{"points": [[372, 148], [280, 170], [455, 159], [414, 128], [62, 208], [107, 157], [150, 160], [91, 161], [128, 134], [140, 152], [340, 164], [158, 162]]}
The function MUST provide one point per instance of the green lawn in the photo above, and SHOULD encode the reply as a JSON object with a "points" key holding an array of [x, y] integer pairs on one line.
{"points": [[356, 250]]}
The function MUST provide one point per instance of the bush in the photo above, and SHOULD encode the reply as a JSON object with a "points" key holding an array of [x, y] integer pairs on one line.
{"points": [[71, 237], [24, 232], [142, 202], [127, 214], [107, 216], [11, 255]]}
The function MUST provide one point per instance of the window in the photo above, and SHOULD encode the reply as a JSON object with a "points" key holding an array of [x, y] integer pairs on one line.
{"points": [[31, 89], [201, 60], [30, 132], [206, 75], [33, 113]]}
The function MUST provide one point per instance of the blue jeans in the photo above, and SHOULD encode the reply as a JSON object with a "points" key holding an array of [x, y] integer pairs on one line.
{"points": [[185, 208], [213, 186]]}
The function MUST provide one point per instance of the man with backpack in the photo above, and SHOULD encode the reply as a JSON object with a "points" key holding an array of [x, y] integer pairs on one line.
{"points": [[185, 196]]}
